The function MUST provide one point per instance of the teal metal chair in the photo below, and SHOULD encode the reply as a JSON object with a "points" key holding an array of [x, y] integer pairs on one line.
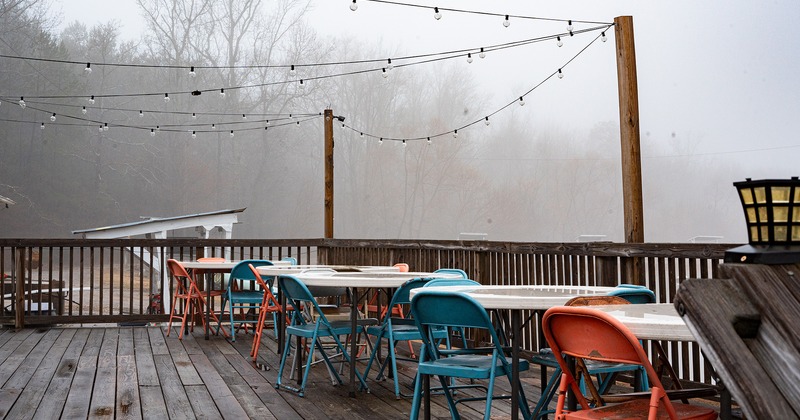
{"points": [[244, 295], [454, 282], [299, 296], [605, 372], [433, 310], [458, 271], [291, 260], [394, 329]]}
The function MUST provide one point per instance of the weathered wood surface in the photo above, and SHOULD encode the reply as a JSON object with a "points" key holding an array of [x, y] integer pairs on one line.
{"points": [[747, 325]]}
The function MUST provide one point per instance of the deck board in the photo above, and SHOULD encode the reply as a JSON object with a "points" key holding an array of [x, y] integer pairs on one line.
{"points": [[138, 372]]}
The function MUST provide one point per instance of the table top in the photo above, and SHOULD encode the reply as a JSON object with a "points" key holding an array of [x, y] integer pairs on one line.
{"points": [[277, 270], [367, 279], [650, 321], [522, 297], [226, 265]]}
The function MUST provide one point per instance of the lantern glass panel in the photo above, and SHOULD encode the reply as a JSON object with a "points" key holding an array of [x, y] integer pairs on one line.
{"points": [[761, 194], [762, 214], [754, 234], [764, 234], [781, 233], [781, 194], [780, 214], [747, 195], [795, 233]]}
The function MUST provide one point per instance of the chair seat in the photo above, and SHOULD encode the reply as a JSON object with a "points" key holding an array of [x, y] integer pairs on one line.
{"points": [[634, 409], [247, 297], [336, 328], [469, 366], [404, 332]]}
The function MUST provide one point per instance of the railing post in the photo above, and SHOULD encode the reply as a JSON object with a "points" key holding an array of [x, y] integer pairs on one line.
{"points": [[606, 271], [19, 295]]}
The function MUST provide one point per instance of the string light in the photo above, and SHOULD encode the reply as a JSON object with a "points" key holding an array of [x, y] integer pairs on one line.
{"points": [[166, 97], [83, 111], [384, 74], [521, 101], [603, 36], [53, 117], [354, 6], [436, 14], [231, 133], [569, 26], [91, 99], [267, 122], [194, 116], [88, 69], [302, 86], [42, 126], [22, 102], [560, 74], [213, 126], [194, 134], [482, 53], [244, 117], [486, 120], [404, 143], [292, 71], [380, 141], [152, 133], [105, 126], [389, 64], [361, 135], [100, 129], [222, 92], [506, 22], [429, 141], [192, 73], [469, 57], [455, 134], [559, 42]]}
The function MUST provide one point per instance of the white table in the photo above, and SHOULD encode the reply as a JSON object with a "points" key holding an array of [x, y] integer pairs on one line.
{"points": [[516, 299], [277, 270], [368, 280], [651, 321]]}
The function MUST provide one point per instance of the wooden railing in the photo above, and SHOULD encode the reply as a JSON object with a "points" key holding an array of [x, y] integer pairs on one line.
{"points": [[114, 281]]}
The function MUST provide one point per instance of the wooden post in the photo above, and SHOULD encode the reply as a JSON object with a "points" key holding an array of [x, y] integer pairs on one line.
{"points": [[328, 173], [19, 293], [630, 139]]}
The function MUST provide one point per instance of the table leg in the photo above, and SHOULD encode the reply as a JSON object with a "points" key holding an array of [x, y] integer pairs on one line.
{"points": [[208, 304], [353, 340], [515, 340]]}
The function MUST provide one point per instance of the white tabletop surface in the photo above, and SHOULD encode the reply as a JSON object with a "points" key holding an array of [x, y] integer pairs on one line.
{"points": [[227, 265], [522, 297], [277, 270], [650, 321], [368, 279]]}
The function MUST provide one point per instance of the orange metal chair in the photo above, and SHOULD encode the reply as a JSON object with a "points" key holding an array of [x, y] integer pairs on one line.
{"points": [[402, 266], [269, 304], [185, 288], [586, 333]]}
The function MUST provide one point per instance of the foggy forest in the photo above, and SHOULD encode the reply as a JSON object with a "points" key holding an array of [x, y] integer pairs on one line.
{"points": [[260, 145]]}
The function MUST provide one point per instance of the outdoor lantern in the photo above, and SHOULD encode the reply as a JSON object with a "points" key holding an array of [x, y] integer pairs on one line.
{"points": [[772, 213]]}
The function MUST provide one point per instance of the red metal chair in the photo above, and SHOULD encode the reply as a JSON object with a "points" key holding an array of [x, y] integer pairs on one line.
{"points": [[185, 288], [269, 304], [586, 333]]}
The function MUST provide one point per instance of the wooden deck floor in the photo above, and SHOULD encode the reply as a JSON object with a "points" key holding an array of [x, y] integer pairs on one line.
{"points": [[138, 372]]}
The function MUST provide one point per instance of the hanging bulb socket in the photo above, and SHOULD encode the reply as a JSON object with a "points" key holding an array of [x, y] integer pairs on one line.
{"points": [[53, 117], [404, 143], [436, 14], [455, 134], [354, 6], [194, 134], [105, 126], [232, 133], [152, 132], [521, 101], [560, 74], [469, 57], [569, 26], [244, 116], [302, 85], [389, 64], [91, 99], [222, 92], [486, 120], [141, 114], [83, 111], [506, 22], [603, 36], [100, 129], [292, 71], [22, 102], [166, 97], [194, 116], [482, 54], [192, 72], [88, 69], [429, 141], [42, 126], [383, 73], [559, 42], [380, 140]]}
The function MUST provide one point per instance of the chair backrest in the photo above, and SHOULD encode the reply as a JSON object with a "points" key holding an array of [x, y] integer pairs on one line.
{"points": [[403, 293], [458, 271], [263, 285], [591, 334], [211, 259], [403, 267], [596, 300], [292, 260], [178, 272], [634, 293], [299, 296], [442, 309], [451, 282], [241, 271]]}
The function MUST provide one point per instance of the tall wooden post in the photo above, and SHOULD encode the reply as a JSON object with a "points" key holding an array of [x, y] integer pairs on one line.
{"points": [[629, 139], [328, 173]]}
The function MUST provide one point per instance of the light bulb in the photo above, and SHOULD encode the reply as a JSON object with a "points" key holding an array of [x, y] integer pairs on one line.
{"points": [[384, 74], [603, 37], [88, 69], [194, 134], [22, 102], [569, 26], [429, 141], [455, 134], [404, 143], [91, 99], [469, 57], [302, 85], [389, 64], [192, 73], [436, 14], [354, 6], [42, 126], [244, 117], [100, 129], [194, 116], [213, 126], [222, 92], [521, 101], [292, 71], [380, 141], [105, 126], [152, 133], [486, 120], [298, 124], [141, 114], [231, 133], [361, 135], [560, 74], [482, 54], [559, 42], [83, 111], [506, 22], [166, 97], [53, 117], [267, 122]]}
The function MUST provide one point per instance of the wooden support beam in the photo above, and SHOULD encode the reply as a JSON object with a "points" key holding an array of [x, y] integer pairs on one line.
{"points": [[328, 173], [630, 143]]}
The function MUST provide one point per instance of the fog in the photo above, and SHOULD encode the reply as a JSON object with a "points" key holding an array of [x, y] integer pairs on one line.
{"points": [[718, 99]]}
